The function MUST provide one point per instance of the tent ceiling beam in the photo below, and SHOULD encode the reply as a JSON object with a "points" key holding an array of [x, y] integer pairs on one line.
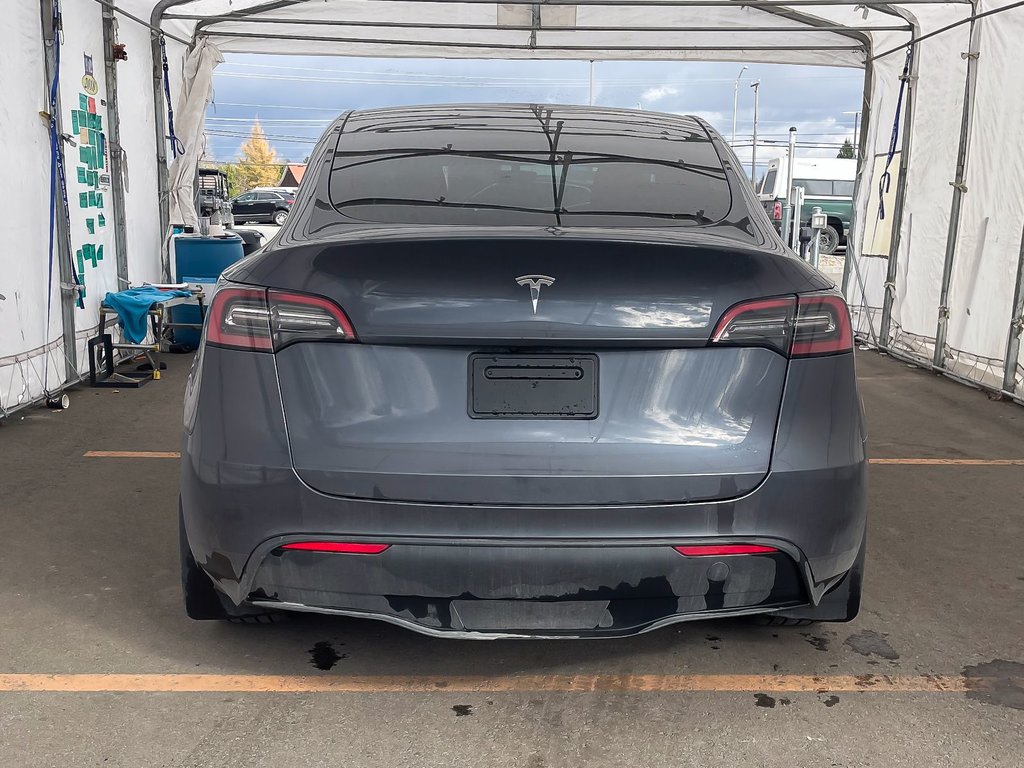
{"points": [[530, 28], [528, 47], [109, 5]]}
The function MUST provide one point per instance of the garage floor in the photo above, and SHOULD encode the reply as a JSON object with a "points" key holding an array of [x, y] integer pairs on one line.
{"points": [[98, 665]]}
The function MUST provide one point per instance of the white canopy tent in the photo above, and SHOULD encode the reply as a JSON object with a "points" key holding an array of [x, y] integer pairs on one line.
{"points": [[933, 264]]}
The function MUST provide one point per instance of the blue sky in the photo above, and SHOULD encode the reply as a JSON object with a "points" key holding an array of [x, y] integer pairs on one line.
{"points": [[295, 97]]}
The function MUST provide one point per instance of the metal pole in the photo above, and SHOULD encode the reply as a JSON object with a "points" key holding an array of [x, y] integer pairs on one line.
{"points": [[753, 148], [959, 188], [116, 158], [1016, 327], [591, 100], [736, 100], [856, 141], [816, 239], [62, 239], [787, 209]]}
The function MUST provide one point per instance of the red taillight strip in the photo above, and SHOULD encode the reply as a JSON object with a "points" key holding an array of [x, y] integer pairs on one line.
{"points": [[241, 338], [713, 550], [343, 547]]}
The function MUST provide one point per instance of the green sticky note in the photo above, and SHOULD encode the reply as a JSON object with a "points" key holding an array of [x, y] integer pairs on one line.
{"points": [[83, 175], [94, 178], [84, 154], [101, 220], [74, 121], [99, 199], [99, 122], [90, 224], [83, 200], [99, 253], [99, 158], [92, 197], [92, 137], [83, 102], [81, 261]]}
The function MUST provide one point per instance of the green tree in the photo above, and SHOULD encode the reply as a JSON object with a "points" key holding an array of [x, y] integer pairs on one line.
{"points": [[846, 151], [257, 166]]}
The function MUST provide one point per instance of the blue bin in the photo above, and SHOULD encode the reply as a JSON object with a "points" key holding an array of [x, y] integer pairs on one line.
{"points": [[198, 256], [199, 259]]}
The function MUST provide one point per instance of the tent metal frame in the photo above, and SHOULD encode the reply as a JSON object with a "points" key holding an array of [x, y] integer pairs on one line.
{"points": [[803, 23]]}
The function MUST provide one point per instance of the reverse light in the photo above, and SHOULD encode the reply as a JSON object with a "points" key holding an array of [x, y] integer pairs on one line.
{"points": [[261, 320], [808, 325], [340, 547], [717, 550]]}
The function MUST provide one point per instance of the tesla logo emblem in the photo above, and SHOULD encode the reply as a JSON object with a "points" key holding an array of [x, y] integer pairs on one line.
{"points": [[536, 282]]}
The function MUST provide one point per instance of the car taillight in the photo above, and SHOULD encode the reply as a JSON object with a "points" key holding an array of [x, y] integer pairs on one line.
{"points": [[777, 211], [264, 320], [796, 326], [822, 326]]}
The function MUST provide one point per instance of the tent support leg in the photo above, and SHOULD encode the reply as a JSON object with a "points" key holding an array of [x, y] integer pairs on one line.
{"points": [[884, 331], [852, 246], [117, 175], [959, 188], [1016, 327], [63, 233]]}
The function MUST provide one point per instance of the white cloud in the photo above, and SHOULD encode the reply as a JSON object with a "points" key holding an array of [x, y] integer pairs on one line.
{"points": [[658, 93]]}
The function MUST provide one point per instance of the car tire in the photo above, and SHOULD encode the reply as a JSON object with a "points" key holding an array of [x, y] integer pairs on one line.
{"points": [[828, 240], [280, 217], [203, 601]]}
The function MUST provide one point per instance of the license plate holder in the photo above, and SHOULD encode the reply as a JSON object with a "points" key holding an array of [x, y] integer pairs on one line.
{"points": [[533, 386]]}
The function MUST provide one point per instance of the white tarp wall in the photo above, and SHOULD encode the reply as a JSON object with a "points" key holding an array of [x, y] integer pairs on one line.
{"points": [[33, 357]]}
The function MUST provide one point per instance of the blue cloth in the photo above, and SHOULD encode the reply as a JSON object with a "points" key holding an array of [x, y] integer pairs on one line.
{"points": [[132, 307]]}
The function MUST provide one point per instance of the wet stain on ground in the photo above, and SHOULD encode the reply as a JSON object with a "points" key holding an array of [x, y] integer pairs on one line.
{"points": [[998, 682], [323, 656], [831, 701], [714, 640], [868, 643], [785, 702], [819, 643], [764, 700], [463, 710]]}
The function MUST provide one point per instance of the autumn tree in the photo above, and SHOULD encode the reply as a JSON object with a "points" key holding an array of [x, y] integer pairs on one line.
{"points": [[257, 164], [846, 151]]}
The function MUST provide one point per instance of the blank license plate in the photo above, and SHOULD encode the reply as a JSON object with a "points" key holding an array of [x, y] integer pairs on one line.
{"points": [[533, 387]]}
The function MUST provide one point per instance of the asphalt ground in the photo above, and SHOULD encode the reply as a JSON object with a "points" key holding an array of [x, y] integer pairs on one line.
{"points": [[100, 667]]}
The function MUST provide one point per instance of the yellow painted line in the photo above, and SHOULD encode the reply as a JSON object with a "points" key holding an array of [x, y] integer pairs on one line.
{"points": [[948, 462], [192, 683], [132, 455]]}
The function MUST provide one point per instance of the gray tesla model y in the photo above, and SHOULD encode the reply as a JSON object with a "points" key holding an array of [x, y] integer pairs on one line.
{"points": [[516, 370]]}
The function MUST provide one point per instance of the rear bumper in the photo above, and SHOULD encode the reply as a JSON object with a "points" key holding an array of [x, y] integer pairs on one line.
{"points": [[524, 590], [242, 499]]}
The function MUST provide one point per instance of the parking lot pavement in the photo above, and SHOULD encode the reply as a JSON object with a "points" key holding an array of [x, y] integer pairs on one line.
{"points": [[99, 666]]}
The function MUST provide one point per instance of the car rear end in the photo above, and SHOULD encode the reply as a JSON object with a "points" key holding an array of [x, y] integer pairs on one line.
{"points": [[524, 431]]}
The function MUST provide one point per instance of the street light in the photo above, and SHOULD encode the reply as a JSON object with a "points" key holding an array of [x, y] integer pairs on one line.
{"points": [[735, 101], [856, 132], [753, 150]]}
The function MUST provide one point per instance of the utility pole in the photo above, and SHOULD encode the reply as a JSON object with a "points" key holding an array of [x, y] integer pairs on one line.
{"points": [[856, 133], [736, 100], [787, 209], [753, 147]]}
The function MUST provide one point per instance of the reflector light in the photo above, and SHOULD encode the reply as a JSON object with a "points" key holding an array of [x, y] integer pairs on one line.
{"points": [[343, 547], [715, 550]]}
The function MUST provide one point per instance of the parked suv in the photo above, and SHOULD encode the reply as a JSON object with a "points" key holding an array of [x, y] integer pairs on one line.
{"points": [[272, 207]]}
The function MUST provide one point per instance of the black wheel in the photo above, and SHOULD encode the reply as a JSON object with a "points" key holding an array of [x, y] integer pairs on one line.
{"points": [[203, 602], [828, 240], [280, 217]]}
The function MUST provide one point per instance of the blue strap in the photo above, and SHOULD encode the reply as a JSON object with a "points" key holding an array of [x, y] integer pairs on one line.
{"points": [[58, 178], [177, 148], [885, 181]]}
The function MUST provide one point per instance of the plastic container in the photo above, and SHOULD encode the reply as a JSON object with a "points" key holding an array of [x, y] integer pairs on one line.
{"points": [[198, 256]]}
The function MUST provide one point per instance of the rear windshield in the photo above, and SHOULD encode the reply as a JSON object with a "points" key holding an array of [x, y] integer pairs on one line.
{"points": [[641, 182], [768, 186]]}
